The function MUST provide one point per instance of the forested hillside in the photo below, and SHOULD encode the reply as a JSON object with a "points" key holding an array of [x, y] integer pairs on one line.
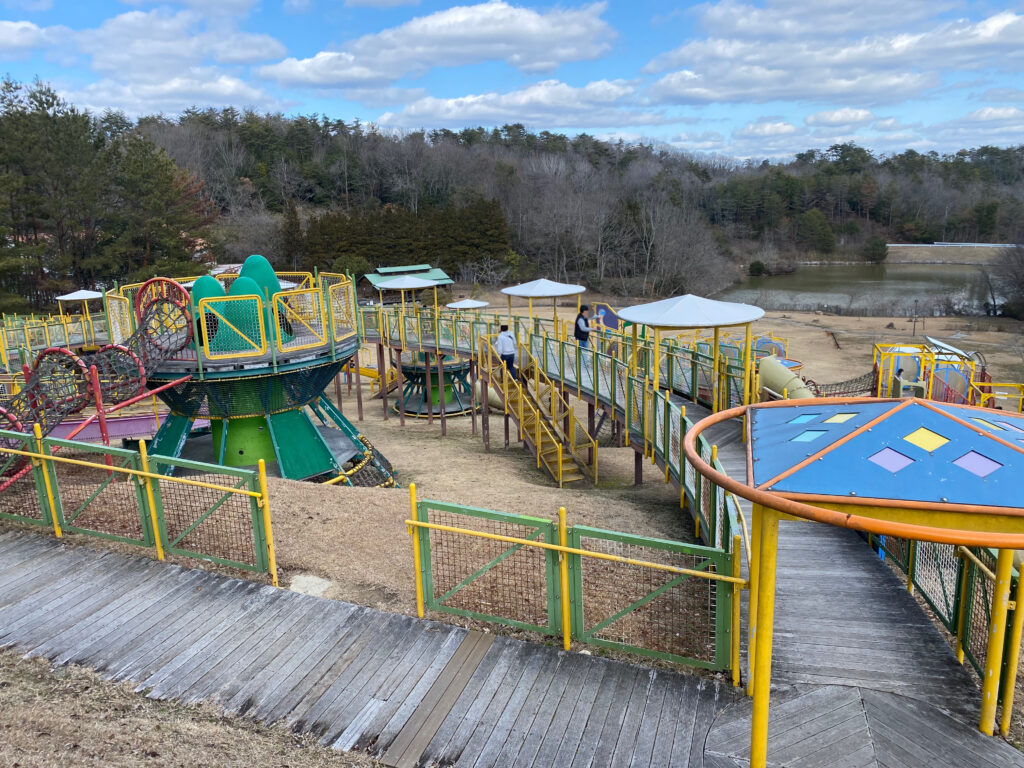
{"points": [[89, 199]]}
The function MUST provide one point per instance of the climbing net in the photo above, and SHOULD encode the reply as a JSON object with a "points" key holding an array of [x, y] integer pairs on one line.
{"points": [[862, 385], [61, 383]]}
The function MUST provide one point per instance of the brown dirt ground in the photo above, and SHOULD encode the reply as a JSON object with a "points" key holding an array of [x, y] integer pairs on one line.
{"points": [[69, 717], [943, 255]]}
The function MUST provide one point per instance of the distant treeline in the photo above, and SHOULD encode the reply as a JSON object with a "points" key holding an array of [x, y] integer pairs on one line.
{"points": [[89, 199]]}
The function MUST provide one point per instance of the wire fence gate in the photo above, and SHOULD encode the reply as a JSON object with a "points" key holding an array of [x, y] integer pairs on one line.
{"points": [[660, 599], [205, 512]]}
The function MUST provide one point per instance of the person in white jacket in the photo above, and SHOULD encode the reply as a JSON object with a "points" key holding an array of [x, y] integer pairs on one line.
{"points": [[505, 344]]}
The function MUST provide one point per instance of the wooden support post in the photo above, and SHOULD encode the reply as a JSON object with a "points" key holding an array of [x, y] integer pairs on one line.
{"points": [[359, 389], [485, 416], [383, 379], [638, 468], [430, 388], [472, 393], [441, 394], [400, 400]]}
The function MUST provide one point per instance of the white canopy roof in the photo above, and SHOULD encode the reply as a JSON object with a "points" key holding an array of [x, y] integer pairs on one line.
{"points": [[81, 295], [467, 304], [691, 311], [405, 283], [543, 289]]}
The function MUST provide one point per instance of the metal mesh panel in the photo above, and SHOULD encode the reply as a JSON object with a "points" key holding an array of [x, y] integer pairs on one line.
{"points": [[120, 318], [99, 501], [232, 327], [980, 610], [898, 550], [490, 579], [936, 568], [300, 319], [640, 608], [208, 523]]}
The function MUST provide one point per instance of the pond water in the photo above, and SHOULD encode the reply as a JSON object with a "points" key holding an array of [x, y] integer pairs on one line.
{"points": [[870, 289]]}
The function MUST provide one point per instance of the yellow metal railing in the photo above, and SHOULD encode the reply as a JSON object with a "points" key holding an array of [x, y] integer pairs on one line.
{"points": [[518, 405], [300, 319], [559, 411], [248, 342]]}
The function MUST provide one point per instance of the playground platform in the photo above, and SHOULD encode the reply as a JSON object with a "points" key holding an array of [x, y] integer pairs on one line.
{"points": [[863, 678]]}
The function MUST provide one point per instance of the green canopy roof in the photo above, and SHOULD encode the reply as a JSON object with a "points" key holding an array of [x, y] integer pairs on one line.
{"points": [[422, 271]]}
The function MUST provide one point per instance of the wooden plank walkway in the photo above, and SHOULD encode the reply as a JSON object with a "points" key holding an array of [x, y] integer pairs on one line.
{"points": [[415, 692]]}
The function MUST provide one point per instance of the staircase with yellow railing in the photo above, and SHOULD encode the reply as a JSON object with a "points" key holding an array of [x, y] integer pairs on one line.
{"points": [[546, 422]]}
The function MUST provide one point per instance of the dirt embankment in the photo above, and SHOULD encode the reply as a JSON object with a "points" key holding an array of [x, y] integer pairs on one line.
{"points": [[980, 255]]}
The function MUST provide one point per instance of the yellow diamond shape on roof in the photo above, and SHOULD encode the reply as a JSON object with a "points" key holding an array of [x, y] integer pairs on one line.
{"points": [[926, 439], [840, 418]]}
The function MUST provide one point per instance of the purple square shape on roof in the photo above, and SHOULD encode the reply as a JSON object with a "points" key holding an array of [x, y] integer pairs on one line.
{"points": [[892, 460], [976, 464]]}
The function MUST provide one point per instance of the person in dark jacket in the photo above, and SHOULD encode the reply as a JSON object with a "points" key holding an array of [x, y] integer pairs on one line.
{"points": [[582, 328]]}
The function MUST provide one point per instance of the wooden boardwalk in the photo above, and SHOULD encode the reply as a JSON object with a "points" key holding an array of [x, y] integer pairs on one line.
{"points": [[414, 692]]}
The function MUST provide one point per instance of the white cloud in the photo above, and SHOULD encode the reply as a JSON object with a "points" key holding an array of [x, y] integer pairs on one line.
{"points": [[988, 125], [529, 40], [198, 87], [704, 141], [550, 103], [765, 128], [19, 37], [297, 6], [838, 117], [795, 65]]}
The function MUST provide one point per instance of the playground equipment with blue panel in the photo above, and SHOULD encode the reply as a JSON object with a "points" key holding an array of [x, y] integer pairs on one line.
{"points": [[241, 360]]}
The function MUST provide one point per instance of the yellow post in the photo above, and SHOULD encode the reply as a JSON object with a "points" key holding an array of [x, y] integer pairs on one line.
{"points": [[50, 500], [747, 366], [147, 483], [563, 575], [156, 413], [755, 562], [715, 357], [529, 305], [510, 309], [737, 558], [1016, 626], [632, 362], [996, 639], [911, 564], [267, 527], [657, 358], [417, 560], [763, 651]]}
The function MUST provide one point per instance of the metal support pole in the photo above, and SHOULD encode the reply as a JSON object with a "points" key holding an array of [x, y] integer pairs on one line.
{"points": [[590, 431], [996, 640], [101, 416], [763, 650], [638, 468], [755, 562], [337, 393], [417, 557], [563, 574], [1013, 660], [268, 529]]}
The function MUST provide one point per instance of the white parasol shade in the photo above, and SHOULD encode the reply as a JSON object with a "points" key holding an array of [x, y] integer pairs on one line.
{"points": [[543, 289], [691, 311], [467, 304], [405, 284], [81, 295]]}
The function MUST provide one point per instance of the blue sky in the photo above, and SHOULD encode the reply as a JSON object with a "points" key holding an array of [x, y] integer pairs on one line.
{"points": [[744, 78]]}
